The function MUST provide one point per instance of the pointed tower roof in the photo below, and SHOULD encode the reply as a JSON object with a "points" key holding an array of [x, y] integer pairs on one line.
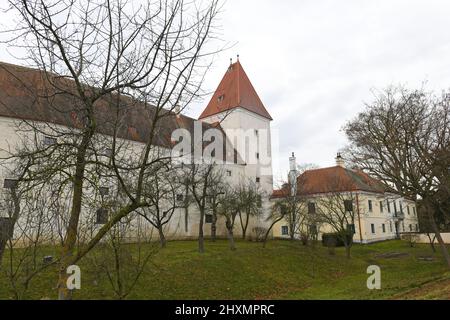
{"points": [[235, 90]]}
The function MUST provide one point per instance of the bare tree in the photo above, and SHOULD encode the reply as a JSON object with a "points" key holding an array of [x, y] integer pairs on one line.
{"points": [[202, 177], [160, 193], [104, 64], [28, 233], [123, 262], [403, 139], [249, 197], [229, 209]]}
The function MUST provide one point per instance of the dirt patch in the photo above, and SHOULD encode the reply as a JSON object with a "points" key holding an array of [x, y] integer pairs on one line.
{"points": [[392, 255]]}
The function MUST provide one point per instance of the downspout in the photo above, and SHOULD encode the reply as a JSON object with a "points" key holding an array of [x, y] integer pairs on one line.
{"points": [[359, 218]]}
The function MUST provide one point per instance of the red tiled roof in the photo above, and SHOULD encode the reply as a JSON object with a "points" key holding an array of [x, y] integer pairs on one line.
{"points": [[25, 93], [235, 90], [333, 179]]}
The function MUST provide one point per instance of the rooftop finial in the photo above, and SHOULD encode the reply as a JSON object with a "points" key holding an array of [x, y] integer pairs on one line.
{"points": [[238, 57], [231, 61]]}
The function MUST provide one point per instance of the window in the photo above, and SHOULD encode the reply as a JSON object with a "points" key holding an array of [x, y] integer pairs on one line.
{"points": [[5, 228], [311, 208], [370, 206], [395, 207], [410, 228], [381, 207], [414, 211], [417, 228], [208, 218], [229, 173], [388, 206], [256, 132], [407, 207], [258, 179], [283, 210], [403, 226], [401, 207], [348, 205], [102, 216], [180, 197], [10, 183], [313, 229], [259, 201], [383, 226], [49, 141], [284, 230], [372, 227], [104, 191], [351, 228], [257, 155], [390, 226]]}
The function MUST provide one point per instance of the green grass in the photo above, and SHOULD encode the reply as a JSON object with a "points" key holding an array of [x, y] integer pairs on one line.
{"points": [[282, 270]]}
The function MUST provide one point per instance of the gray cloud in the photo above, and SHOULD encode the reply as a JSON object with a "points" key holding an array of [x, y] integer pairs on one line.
{"points": [[314, 63]]}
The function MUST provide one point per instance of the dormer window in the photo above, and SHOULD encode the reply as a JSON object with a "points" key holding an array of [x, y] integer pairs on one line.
{"points": [[49, 141], [221, 98]]}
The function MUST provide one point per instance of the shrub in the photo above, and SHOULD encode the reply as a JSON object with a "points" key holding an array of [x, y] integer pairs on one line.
{"points": [[334, 240], [259, 233]]}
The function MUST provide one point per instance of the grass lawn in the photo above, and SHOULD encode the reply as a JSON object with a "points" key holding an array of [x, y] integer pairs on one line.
{"points": [[283, 270]]}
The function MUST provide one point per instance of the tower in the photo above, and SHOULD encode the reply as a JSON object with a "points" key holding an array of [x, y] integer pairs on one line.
{"points": [[236, 106]]}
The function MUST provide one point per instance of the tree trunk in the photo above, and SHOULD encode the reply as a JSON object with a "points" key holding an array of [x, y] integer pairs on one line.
{"points": [[10, 228], [214, 226], [186, 219], [431, 242], [201, 240], [231, 239], [229, 225], [162, 237], [268, 231], [347, 250], [437, 234], [244, 225], [72, 230]]}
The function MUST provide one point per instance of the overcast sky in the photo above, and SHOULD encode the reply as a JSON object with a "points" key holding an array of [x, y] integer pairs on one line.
{"points": [[315, 62]]}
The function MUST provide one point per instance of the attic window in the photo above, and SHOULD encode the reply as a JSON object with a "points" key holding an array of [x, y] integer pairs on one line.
{"points": [[221, 98]]}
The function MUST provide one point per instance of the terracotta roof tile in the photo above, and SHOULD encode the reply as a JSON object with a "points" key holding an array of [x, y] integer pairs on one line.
{"points": [[333, 179], [235, 90], [24, 94]]}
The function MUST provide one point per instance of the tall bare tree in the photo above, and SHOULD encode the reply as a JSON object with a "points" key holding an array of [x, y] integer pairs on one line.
{"points": [[249, 197], [202, 177], [105, 63], [403, 139]]}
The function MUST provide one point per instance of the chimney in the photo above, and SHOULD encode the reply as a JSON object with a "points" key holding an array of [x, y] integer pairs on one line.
{"points": [[293, 174], [340, 161]]}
